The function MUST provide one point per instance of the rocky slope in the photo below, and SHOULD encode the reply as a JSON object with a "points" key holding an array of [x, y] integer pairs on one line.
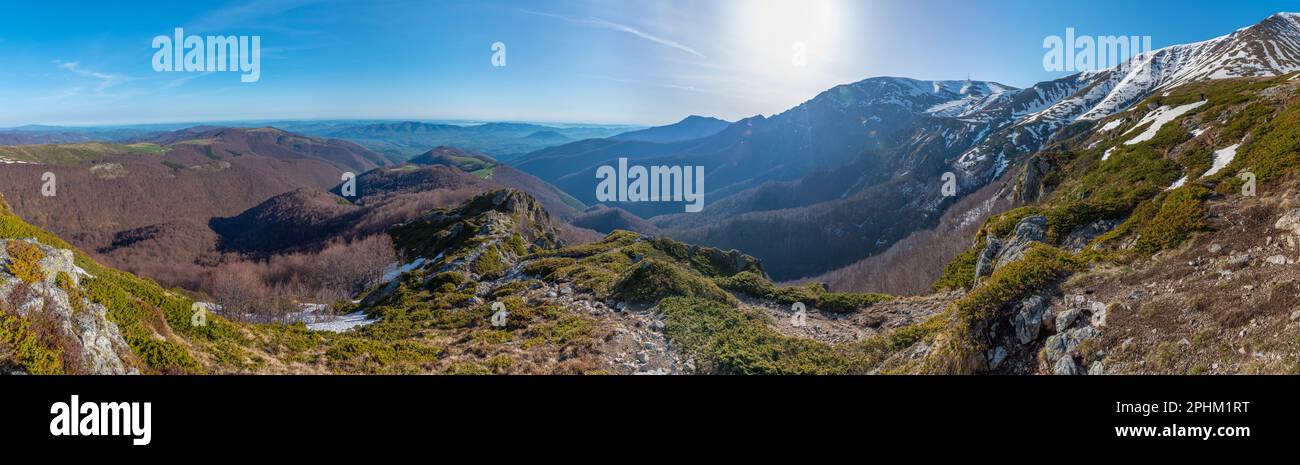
{"points": [[1162, 253]]}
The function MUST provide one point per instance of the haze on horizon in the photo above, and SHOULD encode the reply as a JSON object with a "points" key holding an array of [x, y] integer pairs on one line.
{"points": [[648, 63]]}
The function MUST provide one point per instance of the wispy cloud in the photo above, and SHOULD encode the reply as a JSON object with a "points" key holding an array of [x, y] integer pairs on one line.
{"points": [[106, 80], [184, 80], [613, 26], [244, 15]]}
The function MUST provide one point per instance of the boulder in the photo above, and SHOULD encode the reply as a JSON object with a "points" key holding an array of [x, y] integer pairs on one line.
{"points": [[1067, 318], [1066, 366], [1029, 230], [1028, 319], [987, 257], [1289, 221], [1065, 343]]}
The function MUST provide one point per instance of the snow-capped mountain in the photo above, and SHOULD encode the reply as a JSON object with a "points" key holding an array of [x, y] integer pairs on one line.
{"points": [[1269, 48]]}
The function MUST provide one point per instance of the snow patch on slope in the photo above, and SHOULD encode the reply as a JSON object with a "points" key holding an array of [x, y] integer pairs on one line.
{"points": [[1158, 118], [1222, 158], [1178, 183]]}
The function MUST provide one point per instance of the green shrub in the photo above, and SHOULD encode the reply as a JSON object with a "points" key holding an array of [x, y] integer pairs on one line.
{"points": [[652, 280], [20, 346], [1181, 213], [74, 294], [812, 294], [960, 272], [727, 341], [490, 264], [544, 267], [25, 261]]}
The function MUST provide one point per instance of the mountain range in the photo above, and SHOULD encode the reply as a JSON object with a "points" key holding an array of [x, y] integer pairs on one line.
{"points": [[1139, 219], [871, 154]]}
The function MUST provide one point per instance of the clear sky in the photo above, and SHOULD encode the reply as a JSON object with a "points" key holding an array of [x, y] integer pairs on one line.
{"points": [[597, 61]]}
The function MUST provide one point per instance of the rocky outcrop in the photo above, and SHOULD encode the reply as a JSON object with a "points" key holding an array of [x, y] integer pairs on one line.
{"points": [[998, 252], [1080, 320], [1080, 238], [1033, 185], [88, 342], [1028, 320]]}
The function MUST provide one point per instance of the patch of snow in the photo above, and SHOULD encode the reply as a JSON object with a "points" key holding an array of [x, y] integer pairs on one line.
{"points": [[1222, 157], [340, 324], [1112, 125], [394, 271], [1158, 118], [1177, 184], [1106, 155]]}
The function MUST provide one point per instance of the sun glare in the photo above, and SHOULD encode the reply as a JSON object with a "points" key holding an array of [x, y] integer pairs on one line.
{"points": [[773, 32]]}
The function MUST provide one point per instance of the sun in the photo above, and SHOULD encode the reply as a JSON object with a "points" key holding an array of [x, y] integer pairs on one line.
{"points": [[772, 32]]}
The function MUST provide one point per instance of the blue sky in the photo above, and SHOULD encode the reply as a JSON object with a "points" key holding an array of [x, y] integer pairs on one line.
{"points": [[599, 61]]}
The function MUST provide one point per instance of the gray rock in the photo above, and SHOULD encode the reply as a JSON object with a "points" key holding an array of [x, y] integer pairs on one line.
{"points": [[1238, 261], [1066, 366], [1028, 319], [1215, 248], [1097, 368], [997, 357], [1289, 221], [1066, 319], [1031, 186], [1067, 342], [1079, 238], [1277, 259], [100, 342], [984, 264], [1098, 318], [1029, 230]]}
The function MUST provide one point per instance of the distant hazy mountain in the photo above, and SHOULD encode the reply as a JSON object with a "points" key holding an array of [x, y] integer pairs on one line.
{"points": [[502, 141], [693, 127], [547, 137]]}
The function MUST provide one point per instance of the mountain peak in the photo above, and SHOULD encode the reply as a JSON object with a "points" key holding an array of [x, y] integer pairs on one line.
{"points": [[690, 127]]}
